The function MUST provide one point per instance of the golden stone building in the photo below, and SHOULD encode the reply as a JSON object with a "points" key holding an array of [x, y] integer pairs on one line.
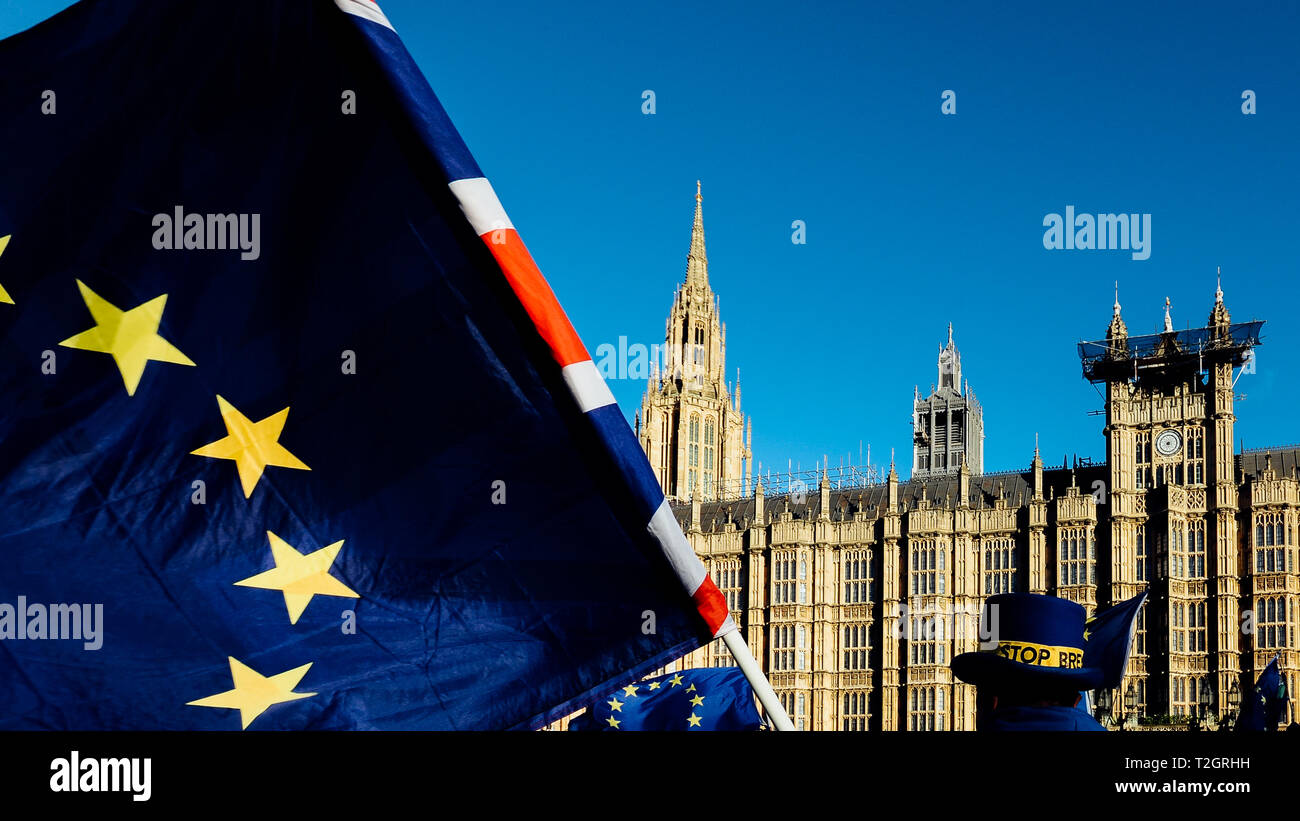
{"points": [[855, 595]]}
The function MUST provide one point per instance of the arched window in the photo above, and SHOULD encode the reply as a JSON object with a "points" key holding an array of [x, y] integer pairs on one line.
{"points": [[709, 442]]}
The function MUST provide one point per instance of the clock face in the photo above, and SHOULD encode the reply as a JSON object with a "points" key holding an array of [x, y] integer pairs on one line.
{"points": [[1168, 442]]}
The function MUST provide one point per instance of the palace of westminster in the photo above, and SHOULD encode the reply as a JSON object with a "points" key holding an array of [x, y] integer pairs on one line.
{"points": [[854, 597]]}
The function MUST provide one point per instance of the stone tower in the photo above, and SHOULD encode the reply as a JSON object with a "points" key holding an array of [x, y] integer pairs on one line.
{"points": [[690, 425], [1173, 499], [947, 425]]}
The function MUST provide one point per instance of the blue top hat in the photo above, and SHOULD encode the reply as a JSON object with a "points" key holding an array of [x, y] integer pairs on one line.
{"points": [[1029, 640]]}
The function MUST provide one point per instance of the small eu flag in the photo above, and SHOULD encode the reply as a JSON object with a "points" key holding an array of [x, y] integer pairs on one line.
{"points": [[715, 698], [1109, 637], [1265, 704]]}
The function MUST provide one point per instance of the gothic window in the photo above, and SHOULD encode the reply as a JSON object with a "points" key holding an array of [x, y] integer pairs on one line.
{"points": [[699, 344], [692, 453], [1196, 549], [1195, 453], [1142, 475], [1270, 544], [1178, 636], [1077, 552], [927, 640], [854, 714], [1271, 623], [1176, 559], [784, 638], [999, 566], [855, 646], [783, 582], [708, 458], [726, 575], [1178, 695], [1143, 560], [927, 709], [1196, 627], [924, 568], [1140, 634], [855, 570]]}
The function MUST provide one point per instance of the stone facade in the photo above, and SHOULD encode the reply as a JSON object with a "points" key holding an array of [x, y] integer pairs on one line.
{"points": [[855, 599]]}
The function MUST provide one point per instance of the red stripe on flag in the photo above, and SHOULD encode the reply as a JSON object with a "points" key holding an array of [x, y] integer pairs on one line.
{"points": [[536, 295], [711, 604]]}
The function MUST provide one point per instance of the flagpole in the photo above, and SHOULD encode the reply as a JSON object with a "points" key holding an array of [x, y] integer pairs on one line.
{"points": [[762, 688]]}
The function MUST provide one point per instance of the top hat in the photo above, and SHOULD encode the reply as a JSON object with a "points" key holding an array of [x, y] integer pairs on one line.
{"points": [[1030, 641]]}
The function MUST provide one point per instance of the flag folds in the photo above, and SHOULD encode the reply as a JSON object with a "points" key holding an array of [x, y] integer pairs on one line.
{"points": [[1265, 704], [293, 433], [1108, 639]]}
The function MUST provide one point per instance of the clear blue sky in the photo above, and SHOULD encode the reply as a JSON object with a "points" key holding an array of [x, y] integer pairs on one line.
{"points": [[831, 114]]}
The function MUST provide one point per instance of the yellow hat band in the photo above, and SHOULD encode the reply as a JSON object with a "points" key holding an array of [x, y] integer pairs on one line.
{"points": [[1040, 655]]}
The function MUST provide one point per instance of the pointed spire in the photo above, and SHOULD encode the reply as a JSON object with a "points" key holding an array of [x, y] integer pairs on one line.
{"points": [[949, 334], [1117, 331], [1220, 319], [697, 262]]}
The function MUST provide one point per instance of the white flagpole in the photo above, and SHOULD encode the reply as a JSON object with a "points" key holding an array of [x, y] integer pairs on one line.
{"points": [[762, 688]]}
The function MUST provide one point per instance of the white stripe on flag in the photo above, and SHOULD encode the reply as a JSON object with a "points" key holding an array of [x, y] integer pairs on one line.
{"points": [[587, 385], [367, 9], [687, 566], [480, 204]]}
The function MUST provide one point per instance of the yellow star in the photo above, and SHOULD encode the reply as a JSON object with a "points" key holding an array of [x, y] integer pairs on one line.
{"points": [[694, 720], [252, 445], [691, 689], [613, 722], [130, 337], [697, 701], [615, 705], [254, 692], [4, 295], [630, 691], [676, 680], [654, 685], [300, 576]]}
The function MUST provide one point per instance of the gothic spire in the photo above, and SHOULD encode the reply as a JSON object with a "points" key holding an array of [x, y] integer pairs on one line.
{"points": [[697, 263], [1117, 328], [1220, 319]]}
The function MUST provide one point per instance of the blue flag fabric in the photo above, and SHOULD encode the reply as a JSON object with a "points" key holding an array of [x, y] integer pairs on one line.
{"points": [[283, 441], [713, 698], [1265, 704], [1108, 638]]}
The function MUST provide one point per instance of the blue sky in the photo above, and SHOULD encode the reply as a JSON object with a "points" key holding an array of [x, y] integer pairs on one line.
{"points": [[831, 114]]}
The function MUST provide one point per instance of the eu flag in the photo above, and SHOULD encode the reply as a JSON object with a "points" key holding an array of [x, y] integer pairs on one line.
{"points": [[1108, 638], [712, 698], [293, 434], [1264, 705]]}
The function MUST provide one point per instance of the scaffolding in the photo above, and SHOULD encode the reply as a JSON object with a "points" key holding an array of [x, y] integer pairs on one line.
{"points": [[1111, 360], [801, 482]]}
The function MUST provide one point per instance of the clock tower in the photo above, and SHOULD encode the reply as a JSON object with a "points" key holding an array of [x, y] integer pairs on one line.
{"points": [[1172, 499]]}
